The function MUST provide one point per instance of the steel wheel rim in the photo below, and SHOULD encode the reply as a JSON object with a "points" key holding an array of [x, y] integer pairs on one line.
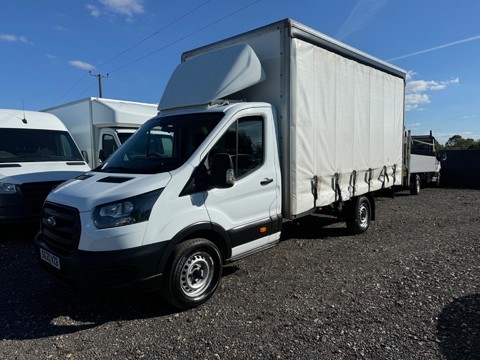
{"points": [[197, 274], [363, 215]]}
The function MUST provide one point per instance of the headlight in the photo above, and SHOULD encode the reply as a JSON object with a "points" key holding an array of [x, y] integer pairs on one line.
{"points": [[6, 188], [125, 212]]}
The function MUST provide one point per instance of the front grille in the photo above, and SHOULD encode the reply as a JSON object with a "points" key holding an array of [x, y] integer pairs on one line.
{"points": [[60, 227], [34, 194]]}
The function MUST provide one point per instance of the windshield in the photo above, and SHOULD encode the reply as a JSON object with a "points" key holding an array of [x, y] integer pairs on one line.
{"points": [[123, 136], [29, 145], [162, 144]]}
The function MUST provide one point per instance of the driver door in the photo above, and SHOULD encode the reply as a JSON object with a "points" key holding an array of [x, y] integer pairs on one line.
{"points": [[247, 210]]}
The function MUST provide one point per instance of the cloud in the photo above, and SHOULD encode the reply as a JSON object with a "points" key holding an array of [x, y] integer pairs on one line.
{"points": [[413, 126], [14, 38], [362, 13], [416, 91], [418, 86], [477, 37], [126, 8], [59, 28], [413, 101], [81, 65], [93, 10]]}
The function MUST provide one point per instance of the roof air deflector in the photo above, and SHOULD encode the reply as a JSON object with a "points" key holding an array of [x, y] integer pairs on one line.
{"points": [[212, 76]]}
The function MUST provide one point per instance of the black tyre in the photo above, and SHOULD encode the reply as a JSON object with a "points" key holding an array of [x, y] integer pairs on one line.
{"points": [[194, 274], [359, 215], [415, 185]]}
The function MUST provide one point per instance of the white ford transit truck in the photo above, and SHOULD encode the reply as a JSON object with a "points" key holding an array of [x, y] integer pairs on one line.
{"points": [[264, 127], [36, 153]]}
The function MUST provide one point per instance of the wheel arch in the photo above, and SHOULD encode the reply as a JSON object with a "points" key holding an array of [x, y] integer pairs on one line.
{"points": [[371, 198], [209, 231], [352, 216]]}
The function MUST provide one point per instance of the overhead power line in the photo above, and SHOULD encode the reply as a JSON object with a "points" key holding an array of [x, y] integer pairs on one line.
{"points": [[156, 33], [161, 48], [70, 89], [185, 37], [132, 47]]}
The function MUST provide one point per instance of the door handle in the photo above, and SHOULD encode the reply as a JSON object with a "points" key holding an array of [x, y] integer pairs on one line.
{"points": [[266, 181]]}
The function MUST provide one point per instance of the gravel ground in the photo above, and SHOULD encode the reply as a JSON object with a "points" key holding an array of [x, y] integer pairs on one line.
{"points": [[407, 289]]}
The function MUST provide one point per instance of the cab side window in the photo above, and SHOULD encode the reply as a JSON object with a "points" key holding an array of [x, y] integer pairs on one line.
{"points": [[243, 141], [108, 145]]}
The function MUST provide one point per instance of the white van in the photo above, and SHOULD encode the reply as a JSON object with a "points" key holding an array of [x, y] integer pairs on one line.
{"points": [[36, 154]]}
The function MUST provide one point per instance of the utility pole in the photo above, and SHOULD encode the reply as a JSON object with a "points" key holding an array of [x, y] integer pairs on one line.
{"points": [[99, 77]]}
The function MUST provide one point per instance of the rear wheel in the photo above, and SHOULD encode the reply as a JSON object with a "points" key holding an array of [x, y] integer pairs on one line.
{"points": [[194, 274], [359, 215], [415, 185]]}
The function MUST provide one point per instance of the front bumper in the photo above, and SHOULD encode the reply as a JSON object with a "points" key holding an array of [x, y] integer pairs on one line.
{"points": [[106, 271], [14, 209]]}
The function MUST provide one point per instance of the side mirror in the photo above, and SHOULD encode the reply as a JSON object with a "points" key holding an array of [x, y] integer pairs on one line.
{"points": [[101, 155], [85, 156], [442, 156], [221, 172]]}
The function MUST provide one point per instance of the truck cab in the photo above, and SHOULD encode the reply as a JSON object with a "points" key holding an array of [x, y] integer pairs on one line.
{"points": [[210, 174], [422, 161], [110, 139]]}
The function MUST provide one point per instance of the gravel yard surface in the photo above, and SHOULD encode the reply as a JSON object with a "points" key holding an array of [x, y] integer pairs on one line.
{"points": [[407, 289]]}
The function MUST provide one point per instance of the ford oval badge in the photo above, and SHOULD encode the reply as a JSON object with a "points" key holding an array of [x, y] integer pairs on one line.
{"points": [[51, 221]]}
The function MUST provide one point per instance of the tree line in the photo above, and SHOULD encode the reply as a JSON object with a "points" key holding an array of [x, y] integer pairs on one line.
{"points": [[457, 142]]}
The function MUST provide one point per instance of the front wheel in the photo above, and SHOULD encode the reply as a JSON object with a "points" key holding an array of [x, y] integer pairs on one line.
{"points": [[359, 215], [194, 274]]}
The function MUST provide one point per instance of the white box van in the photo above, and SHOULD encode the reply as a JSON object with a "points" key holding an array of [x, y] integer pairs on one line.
{"points": [[36, 154], [258, 129], [100, 126]]}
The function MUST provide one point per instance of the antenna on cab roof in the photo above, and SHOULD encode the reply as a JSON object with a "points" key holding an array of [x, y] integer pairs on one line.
{"points": [[24, 120]]}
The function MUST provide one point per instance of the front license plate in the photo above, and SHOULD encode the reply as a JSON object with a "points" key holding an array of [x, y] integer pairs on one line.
{"points": [[50, 258]]}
